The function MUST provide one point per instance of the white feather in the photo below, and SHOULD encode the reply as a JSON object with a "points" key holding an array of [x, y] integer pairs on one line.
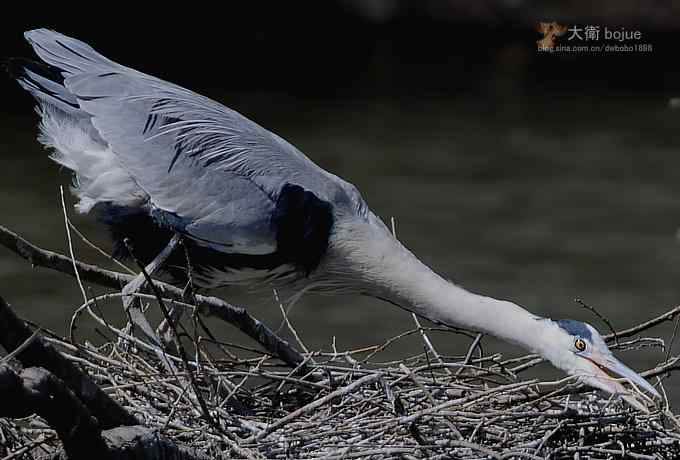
{"points": [[99, 176]]}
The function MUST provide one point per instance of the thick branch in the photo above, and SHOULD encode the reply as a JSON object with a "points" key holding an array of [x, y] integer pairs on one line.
{"points": [[211, 306], [38, 353], [40, 392], [37, 391], [39, 257], [141, 443]]}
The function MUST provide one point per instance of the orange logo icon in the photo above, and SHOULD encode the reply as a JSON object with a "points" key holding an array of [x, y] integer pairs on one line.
{"points": [[550, 31]]}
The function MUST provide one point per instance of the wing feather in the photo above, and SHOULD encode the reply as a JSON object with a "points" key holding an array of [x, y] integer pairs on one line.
{"points": [[208, 170]]}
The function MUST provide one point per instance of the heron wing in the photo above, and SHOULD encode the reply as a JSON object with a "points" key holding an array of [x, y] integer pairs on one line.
{"points": [[207, 170]]}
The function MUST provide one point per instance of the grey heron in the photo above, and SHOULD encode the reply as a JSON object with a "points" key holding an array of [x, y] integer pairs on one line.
{"points": [[152, 159]]}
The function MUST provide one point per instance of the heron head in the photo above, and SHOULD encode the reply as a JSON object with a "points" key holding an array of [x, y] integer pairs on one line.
{"points": [[578, 349]]}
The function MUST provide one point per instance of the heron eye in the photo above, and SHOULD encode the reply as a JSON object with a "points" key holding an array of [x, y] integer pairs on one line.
{"points": [[580, 344]]}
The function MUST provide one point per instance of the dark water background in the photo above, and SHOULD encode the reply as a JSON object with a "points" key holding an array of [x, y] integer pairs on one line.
{"points": [[535, 178]]}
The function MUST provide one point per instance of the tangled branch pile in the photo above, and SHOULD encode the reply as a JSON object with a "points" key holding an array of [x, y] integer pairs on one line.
{"points": [[208, 399]]}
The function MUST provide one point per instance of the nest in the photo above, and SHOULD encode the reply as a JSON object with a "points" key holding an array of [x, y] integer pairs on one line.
{"points": [[227, 400], [348, 404]]}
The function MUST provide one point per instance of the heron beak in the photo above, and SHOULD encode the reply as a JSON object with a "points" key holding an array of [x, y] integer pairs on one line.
{"points": [[603, 372]]}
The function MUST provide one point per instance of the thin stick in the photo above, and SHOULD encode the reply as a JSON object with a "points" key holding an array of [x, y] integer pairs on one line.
{"points": [[312, 406], [667, 316], [70, 245], [672, 341], [26, 343], [29, 447], [288, 323], [100, 250], [602, 318], [471, 350]]}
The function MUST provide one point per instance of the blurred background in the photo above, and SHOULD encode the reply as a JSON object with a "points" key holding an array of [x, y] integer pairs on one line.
{"points": [[531, 176]]}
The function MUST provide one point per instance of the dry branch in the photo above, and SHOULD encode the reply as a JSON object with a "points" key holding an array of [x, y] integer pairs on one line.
{"points": [[14, 333], [37, 391]]}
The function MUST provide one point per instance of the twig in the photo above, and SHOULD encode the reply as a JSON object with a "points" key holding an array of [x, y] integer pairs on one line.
{"points": [[602, 318], [70, 245], [26, 343], [288, 323], [667, 316], [89, 243], [672, 340], [312, 406], [29, 447], [471, 350]]}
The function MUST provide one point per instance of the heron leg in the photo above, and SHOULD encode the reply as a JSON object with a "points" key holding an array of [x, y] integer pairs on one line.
{"points": [[133, 305], [164, 328]]}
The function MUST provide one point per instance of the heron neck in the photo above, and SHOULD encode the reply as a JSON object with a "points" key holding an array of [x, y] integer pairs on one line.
{"points": [[429, 295], [394, 274]]}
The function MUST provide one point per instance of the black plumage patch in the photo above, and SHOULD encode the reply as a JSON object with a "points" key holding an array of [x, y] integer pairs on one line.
{"points": [[303, 224], [91, 98], [148, 238], [17, 67]]}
